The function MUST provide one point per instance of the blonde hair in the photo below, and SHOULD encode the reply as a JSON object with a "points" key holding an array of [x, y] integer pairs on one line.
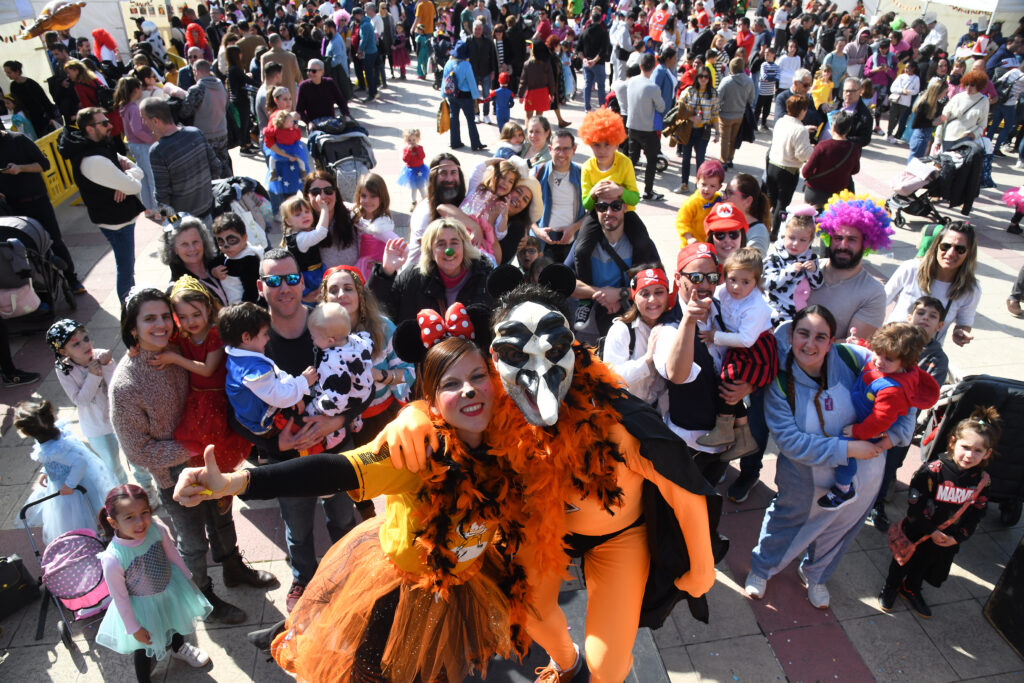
{"points": [[279, 118], [289, 208], [331, 319], [411, 132], [801, 223], [430, 237], [745, 258], [375, 185]]}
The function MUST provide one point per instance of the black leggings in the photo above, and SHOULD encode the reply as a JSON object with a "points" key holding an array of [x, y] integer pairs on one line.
{"points": [[144, 663], [366, 665], [764, 108], [739, 409], [6, 362]]}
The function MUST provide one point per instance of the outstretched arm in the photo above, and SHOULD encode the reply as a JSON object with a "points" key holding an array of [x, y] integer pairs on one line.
{"points": [[410, 437]]}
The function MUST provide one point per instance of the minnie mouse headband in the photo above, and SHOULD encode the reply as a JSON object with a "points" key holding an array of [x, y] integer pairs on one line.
{"points": [[434, 328], [414, 338]]}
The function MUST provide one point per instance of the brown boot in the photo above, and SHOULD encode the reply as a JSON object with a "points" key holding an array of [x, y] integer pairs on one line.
{"points": [[237, 571], [743, 445], [722, 434]]}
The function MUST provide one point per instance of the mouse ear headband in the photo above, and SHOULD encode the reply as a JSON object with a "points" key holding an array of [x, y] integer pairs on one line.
{"points": [[507, 277], [413, 338]]}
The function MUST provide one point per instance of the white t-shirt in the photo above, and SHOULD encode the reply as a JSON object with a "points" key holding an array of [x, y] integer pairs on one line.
{"points": [[903, 288], [662, 346], [781, 19], [563, 199]]}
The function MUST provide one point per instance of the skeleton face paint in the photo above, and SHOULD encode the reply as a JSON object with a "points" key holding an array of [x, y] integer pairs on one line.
{"points": [[532, 350]]}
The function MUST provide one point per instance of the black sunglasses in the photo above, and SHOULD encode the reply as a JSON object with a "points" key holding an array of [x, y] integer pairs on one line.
{"points": [[722, 234], [697, 278], [946, 246], [315, 191], [601, 207], [274, 281]]}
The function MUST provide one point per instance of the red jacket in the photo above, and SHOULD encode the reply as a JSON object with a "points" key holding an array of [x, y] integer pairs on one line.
{"points": [[914, 388]]}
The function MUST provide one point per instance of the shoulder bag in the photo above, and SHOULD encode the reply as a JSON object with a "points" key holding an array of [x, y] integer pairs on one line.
{"points": [[903, 548]]}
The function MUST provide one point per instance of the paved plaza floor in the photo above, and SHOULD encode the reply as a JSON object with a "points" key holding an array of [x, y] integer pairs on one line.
{"points": [[779, 638]]}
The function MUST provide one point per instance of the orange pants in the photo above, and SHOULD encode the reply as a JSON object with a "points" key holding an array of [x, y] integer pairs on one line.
{"points": [[616, 573]]}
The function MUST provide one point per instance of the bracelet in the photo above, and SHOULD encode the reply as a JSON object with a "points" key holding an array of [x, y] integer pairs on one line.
{"points": [[245, 485]]}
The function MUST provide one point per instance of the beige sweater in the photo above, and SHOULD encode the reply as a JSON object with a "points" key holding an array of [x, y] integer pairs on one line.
{"points": [[145, 406], [791, 145]]}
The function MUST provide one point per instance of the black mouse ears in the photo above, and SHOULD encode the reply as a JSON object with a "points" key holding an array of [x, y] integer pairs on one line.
{"points": [[413, 338], [507, 277]]}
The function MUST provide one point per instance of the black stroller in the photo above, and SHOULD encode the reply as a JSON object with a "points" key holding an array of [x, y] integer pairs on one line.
{"points": [[1007, 467], [26, 252], [910, 194], [345, 148]]}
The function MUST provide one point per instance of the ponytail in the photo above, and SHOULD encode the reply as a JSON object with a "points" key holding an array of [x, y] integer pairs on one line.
{"points": [[984, 421], [122, 492]]}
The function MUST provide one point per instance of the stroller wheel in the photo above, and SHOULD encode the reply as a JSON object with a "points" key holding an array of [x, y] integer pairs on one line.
{"points": [[898, 220], [662, 163], [1009, 512], [65, 634]]}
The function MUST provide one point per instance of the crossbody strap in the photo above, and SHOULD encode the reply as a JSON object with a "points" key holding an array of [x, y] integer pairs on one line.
{"points": [[985, 479]]}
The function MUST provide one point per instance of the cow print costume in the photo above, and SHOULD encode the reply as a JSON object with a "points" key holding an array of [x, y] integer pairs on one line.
{"points": [[781, 281], [345, 384]]}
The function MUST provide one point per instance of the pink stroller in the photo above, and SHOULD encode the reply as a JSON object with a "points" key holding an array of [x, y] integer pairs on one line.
{"points": [[72, 575]]}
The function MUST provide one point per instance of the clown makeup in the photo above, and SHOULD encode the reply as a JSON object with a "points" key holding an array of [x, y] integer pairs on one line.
{"points": [[465, 398], [78, 349], [651, 302], [739, 283], [971, 449], [193, 318], [532, 351]]}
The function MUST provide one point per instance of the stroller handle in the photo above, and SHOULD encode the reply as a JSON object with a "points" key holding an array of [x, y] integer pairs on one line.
{"points": [[24, 510]]}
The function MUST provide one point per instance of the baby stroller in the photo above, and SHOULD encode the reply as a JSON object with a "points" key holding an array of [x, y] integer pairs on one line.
{"points": [[345, 149], [71, 574], [906, 199], [1007, 468], [44, 268], [249, 200]]}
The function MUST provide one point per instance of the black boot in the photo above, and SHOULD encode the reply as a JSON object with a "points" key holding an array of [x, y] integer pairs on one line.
{"points": [[887, 597], [237, 571], [223, 612], [265, 636], [916, 601]]}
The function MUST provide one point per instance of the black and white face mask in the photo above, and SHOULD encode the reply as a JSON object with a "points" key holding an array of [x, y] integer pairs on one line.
{"points": [[532, 350]]}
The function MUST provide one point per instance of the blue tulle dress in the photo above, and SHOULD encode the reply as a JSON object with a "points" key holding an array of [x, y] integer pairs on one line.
{"points": [[289, 173], [67, 461], [414, 177], [163, 600]]}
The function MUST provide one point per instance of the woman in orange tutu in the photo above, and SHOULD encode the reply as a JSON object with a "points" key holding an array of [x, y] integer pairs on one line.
{"points": [[430, 591], [205, 418]]}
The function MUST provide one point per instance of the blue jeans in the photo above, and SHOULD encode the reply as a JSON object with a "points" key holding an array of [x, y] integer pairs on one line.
{"points": [[593, 75], [370, 69], [1007, 114], [298, 515], [123, 243], [465, 106], [485, 90], [920, 142], [699, 139], [140, 150]]}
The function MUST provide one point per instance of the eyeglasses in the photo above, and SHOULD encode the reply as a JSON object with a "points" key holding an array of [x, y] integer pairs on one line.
{"points": [[697, 278], [316, 191], [601, 207], [946, 246], [102, 122], [807, 84], [722, 234], [229, 241], [703, 76], [274, 281]]}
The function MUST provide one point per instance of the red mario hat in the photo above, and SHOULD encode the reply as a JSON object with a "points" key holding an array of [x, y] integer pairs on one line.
{"points": [[723, 218], [694, 251]]}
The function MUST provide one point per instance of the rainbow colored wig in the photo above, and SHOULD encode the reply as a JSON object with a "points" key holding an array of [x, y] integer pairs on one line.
{"points": [[856, 211], [602, 125]]}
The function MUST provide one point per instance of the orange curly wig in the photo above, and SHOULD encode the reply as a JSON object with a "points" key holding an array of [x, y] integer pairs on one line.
{"points": [[602, 125]]}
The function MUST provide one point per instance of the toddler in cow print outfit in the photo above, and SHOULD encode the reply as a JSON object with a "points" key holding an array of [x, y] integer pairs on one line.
{"points": [[946, 501], [791, 268], [344, 369]]}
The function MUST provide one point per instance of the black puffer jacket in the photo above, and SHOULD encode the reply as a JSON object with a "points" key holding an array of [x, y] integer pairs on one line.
{"points": [[407, 293]]}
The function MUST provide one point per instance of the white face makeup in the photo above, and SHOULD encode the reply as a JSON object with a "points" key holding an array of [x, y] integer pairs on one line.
{"points": [[532, 351]]}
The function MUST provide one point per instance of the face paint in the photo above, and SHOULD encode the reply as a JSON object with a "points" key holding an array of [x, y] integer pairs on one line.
{"points": [[532, 350]]}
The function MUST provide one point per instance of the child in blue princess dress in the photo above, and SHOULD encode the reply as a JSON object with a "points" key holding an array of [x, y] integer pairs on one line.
{"points": [[415, 174], [67, 463]]}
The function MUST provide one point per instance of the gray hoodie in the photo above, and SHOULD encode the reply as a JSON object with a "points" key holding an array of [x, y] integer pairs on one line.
{"points": [[735, 93]]}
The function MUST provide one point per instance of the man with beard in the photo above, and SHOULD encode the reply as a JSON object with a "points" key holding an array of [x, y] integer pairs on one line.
{"points": [[445, 185], [854, 297]]}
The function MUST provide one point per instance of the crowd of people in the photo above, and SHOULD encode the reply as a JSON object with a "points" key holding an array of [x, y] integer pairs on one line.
{"points": [[765, 323]]}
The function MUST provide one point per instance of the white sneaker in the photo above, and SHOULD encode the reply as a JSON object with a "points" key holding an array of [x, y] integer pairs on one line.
{"points": [[487, 119], [755, 586], [191, 655], [1019, 164], [817, 593]]}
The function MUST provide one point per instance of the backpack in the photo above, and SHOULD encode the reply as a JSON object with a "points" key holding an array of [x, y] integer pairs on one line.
{"points": [[104, 96], [449, 86], [632, 342]]}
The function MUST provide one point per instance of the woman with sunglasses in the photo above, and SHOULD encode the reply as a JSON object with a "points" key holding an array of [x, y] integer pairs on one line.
{"points": [[946, 272], [745, 193], [702, 99], [726, 230], [341, 246]]}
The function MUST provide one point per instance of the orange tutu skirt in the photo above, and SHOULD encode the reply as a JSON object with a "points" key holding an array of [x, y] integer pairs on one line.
{"points": [[537, 99], [430, 640], [205, 421]]}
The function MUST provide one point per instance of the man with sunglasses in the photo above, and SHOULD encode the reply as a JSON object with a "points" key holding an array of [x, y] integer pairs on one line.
{"points": [[318, 94], [291, 348], [110, 185], [802, 82], [187, 74], [610, 241]]}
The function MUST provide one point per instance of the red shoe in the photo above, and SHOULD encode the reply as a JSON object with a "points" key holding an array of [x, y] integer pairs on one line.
{"points": [[294, 594]]}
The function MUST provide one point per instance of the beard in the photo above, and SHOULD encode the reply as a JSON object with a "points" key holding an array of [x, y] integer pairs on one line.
{"points": [[447, 192], [844, 259]]}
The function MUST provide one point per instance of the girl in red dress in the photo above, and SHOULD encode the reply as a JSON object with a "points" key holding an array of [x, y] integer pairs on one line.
{"points": [[205, 419]]}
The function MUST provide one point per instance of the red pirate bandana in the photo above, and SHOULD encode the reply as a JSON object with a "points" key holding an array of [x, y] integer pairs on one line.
{"points": [[648, 277]]}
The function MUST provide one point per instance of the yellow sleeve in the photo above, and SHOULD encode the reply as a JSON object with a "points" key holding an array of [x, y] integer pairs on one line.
{"points": [[623, 173], [684, 221], [587, 182], [377, 476]]}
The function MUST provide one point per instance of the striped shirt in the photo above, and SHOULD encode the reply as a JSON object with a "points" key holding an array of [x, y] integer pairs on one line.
{"points": [[184, 166], [706, 104], [769, 79]]}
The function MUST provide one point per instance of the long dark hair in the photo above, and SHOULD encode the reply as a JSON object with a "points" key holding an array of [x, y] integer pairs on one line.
{"points": [[130, 314], [761, 208], [122, 492], [696, 80], [343, 228], [822, 379]]}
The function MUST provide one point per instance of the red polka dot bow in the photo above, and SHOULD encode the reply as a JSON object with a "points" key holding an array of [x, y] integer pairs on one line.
{"points": [[455, 323]]}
